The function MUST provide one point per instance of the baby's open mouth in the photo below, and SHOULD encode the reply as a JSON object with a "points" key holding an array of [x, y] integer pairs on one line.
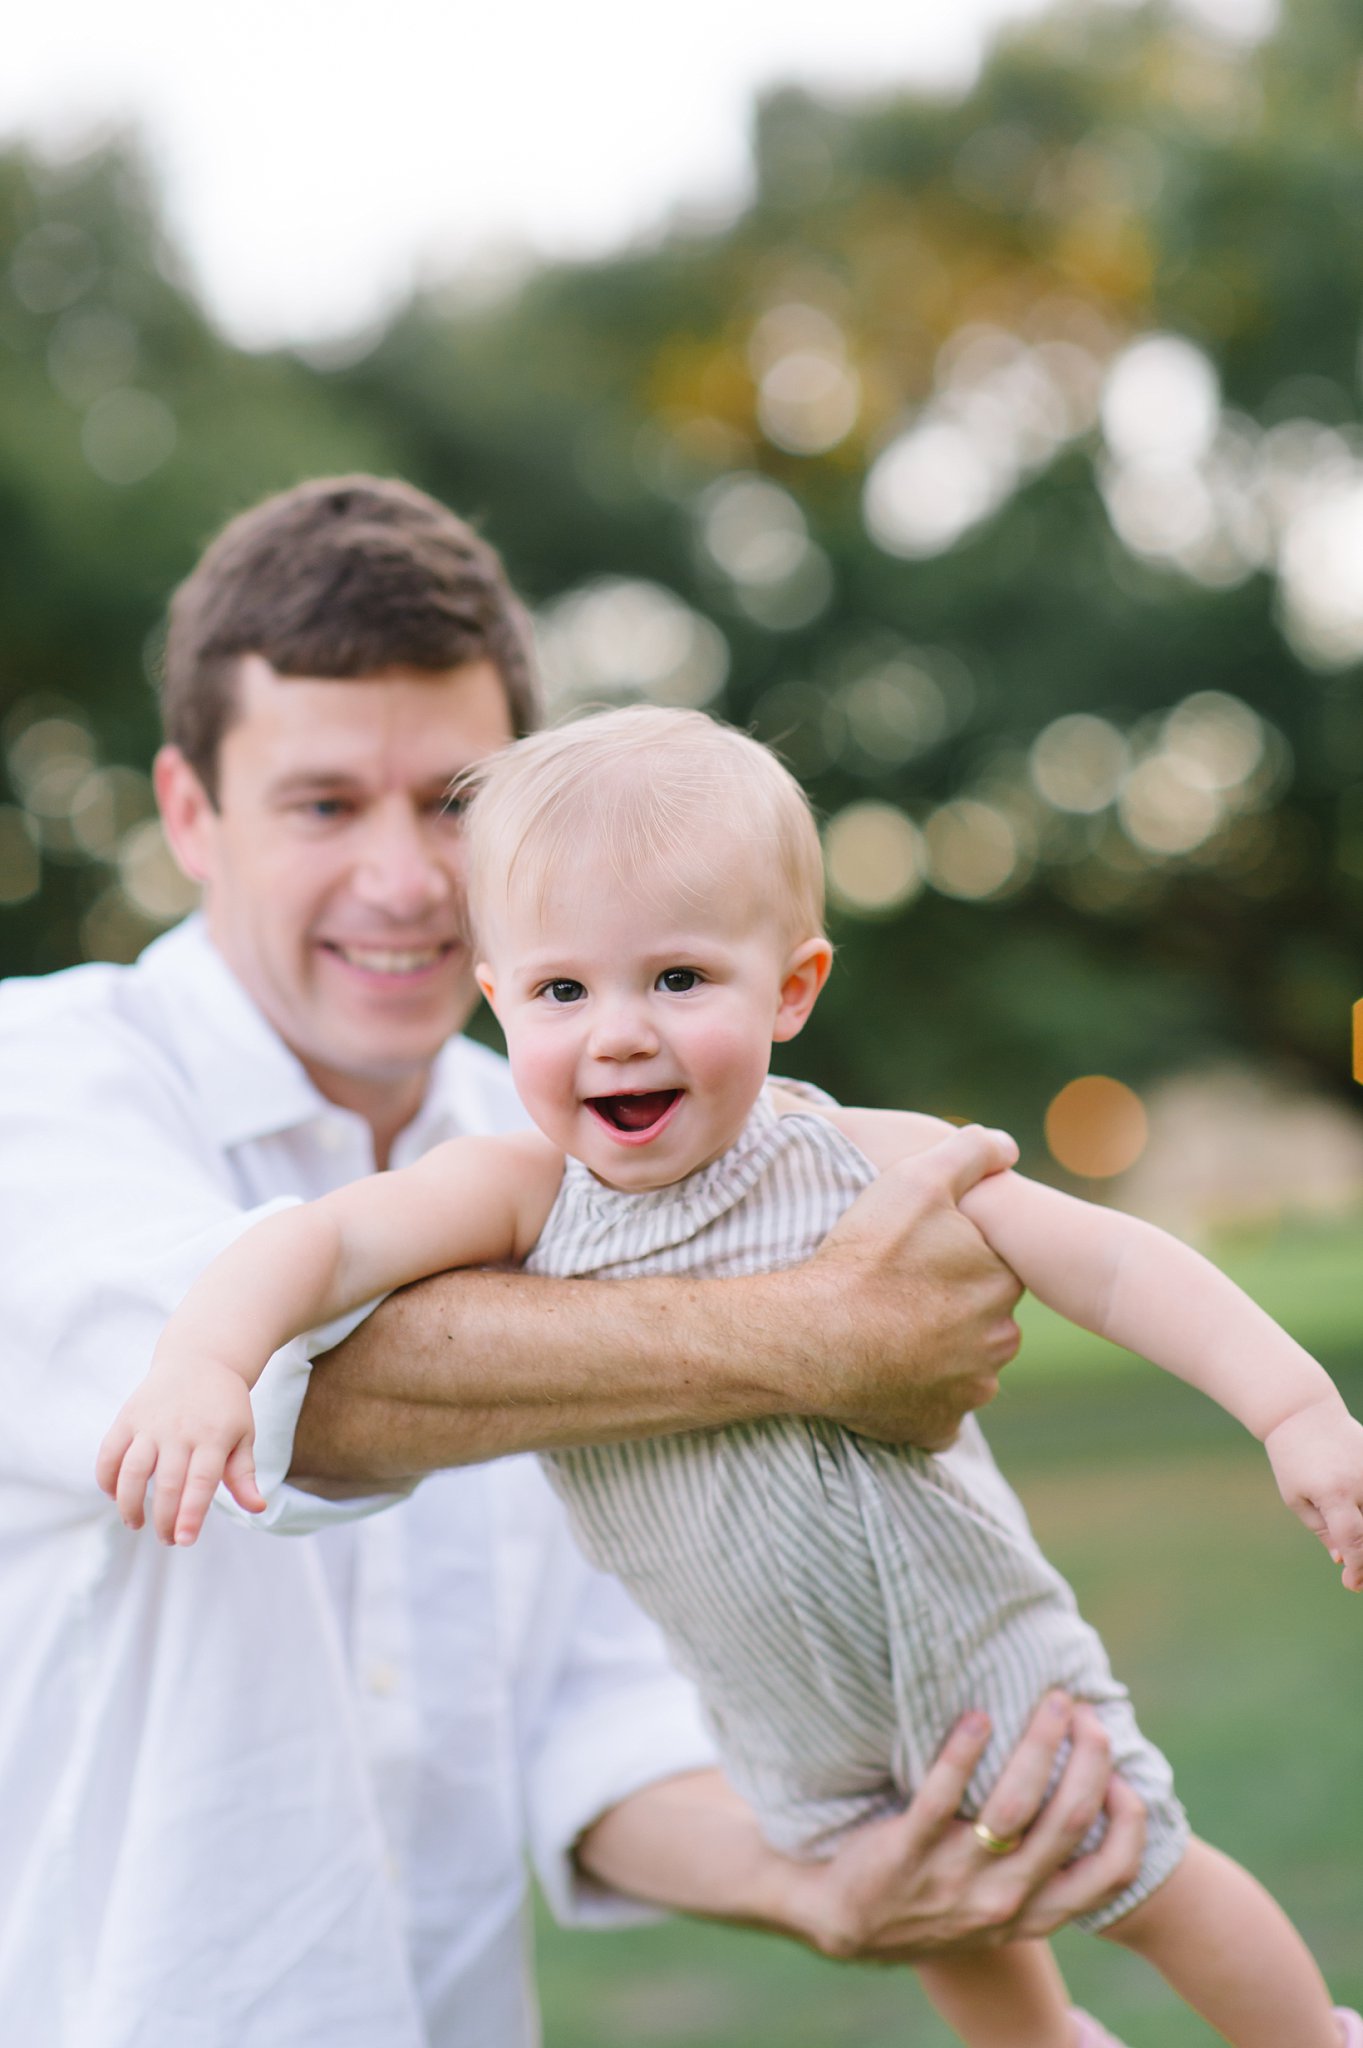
{"points": [[635, 1115]]}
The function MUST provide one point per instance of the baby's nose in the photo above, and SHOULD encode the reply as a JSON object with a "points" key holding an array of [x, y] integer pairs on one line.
{"points": [[623, 1032]]}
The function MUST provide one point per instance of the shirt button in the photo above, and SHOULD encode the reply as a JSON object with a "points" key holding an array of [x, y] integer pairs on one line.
{"points": [[381, 1679], [332, 1135]]}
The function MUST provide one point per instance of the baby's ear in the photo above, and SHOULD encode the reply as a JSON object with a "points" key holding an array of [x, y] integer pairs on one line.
{"points": [[482, 974], [806, 972]]}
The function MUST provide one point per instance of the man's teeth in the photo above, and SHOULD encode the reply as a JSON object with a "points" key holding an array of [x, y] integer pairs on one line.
{"points": [[376, 960]]}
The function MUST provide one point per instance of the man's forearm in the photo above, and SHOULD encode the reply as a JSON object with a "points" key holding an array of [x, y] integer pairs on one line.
{"points": [[469, 1366], [691, 1844]]}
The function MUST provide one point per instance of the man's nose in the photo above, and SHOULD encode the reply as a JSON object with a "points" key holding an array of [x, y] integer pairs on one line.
{"points": [[405, 869], [623, 1030]]}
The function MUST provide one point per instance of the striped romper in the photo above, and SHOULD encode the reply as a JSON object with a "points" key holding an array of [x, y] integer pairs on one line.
{"points": [[838, 1602]]}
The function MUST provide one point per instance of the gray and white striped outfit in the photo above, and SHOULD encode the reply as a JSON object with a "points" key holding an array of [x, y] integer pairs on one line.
{"points": [[839, 1602]]}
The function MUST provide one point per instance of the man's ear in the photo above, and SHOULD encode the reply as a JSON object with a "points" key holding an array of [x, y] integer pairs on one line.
{"points": [[805, 974], [188, 813]]}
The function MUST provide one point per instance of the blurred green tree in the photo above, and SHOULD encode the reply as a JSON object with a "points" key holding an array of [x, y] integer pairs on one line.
{"points": [[1001, 461], [128, 431]]}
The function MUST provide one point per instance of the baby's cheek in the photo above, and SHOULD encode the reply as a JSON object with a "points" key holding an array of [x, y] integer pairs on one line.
{"points": [[733, 1057], [543, 1074]]}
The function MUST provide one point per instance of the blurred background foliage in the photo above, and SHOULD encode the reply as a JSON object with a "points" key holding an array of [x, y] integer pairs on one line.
{"points": [[1002, 463]]}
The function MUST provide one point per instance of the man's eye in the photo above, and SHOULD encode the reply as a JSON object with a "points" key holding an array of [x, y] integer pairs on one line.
{"points": [[676, 981], [564, 991], [327, 808]]}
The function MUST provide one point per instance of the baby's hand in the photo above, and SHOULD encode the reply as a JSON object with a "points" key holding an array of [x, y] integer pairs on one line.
{"points": [[190, 1426], [1317, 1460]]}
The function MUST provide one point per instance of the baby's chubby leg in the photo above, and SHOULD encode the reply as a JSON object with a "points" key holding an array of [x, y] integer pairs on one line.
{"points": [[1231, 1953], [1010, 1997]]}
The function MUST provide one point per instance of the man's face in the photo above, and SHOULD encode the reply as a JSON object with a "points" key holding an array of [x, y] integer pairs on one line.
{"points": [[332, 870]]}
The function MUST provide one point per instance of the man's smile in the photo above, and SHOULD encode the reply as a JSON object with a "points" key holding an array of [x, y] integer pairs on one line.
{"points": [[391, 960]]}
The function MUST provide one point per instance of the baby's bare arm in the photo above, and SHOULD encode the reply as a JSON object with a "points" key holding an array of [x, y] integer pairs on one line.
{"points": [[189, 1424], [1124, 1280], [473, 1202], [1141, 1288]]}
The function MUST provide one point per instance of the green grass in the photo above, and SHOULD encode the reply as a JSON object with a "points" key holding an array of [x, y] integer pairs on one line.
{"points": [[1244, 1656]]}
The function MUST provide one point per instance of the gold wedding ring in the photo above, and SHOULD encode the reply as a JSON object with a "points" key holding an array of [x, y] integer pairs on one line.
{"points": [[997, 1845]]}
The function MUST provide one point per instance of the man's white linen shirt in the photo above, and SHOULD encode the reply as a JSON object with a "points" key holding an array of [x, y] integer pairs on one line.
{"points": [[272, 1791]]}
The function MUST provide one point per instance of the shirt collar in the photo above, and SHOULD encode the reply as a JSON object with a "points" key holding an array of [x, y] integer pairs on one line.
{"points": [[248, 1082]]}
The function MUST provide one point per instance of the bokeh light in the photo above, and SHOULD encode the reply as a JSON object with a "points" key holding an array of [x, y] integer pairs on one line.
{"points": [[806, 404], [972, 849], [1321, 568], [621, 637], [1077, 763], [47, 746], [1096, 1127], [152, 881], [52, 267], [929, 488], [1163, 812], [808, 396], [1001, 411], [1216, 740], [874, 858], [895, 710], [106, 805], [1161, 402], [126, 435], [91, 351], [21, 870], [755, 533]]}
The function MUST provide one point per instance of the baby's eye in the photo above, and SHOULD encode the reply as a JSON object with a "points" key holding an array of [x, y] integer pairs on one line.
{"points": [[676, 981], [563, 991]]}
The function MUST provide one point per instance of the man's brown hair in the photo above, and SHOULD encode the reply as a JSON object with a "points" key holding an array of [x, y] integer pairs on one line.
{"points": [[340, 577]]}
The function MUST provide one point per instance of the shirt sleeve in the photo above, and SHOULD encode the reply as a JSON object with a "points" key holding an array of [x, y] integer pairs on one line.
{"points": [[602, 1710], [112, 1203], [276, 1402]]}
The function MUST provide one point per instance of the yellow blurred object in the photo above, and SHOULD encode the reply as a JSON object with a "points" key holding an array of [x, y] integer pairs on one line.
{"points": [[1096, 1127]]}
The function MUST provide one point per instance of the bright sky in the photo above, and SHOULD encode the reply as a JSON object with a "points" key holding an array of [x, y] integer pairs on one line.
{"points": [[317, 155]]}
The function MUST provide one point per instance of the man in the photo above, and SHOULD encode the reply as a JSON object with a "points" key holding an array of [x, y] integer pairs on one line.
{"points": [[275, 1793]]}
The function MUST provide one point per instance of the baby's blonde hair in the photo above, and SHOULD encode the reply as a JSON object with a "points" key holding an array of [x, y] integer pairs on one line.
{"points": [[656, 793]]}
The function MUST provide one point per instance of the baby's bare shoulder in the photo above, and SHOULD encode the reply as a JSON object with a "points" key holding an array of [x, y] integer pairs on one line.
{"points": [[884, 1135], [505, 1152], [515, 1174]]}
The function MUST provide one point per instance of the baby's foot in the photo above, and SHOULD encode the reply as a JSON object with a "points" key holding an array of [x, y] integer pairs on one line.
{"points": [[1350, 2028], [1088, 2033]]}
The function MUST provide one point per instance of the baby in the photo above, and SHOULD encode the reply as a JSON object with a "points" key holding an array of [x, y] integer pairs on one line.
{"points": [[646, 892]]}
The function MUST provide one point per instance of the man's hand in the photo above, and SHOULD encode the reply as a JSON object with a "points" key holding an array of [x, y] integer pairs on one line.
{"points": [[905, 1889], [908, 1311], [923, 1884]]}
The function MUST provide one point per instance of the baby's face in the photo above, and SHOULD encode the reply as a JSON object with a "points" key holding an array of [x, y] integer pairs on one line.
{"points": [[640, 1026]]}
